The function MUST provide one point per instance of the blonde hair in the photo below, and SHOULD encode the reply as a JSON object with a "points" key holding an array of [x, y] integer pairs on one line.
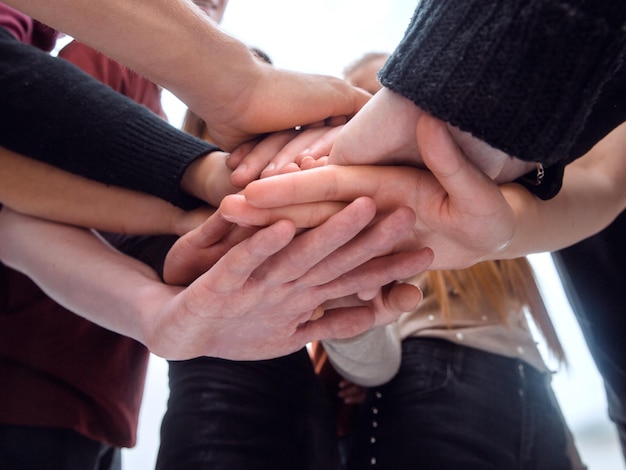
{"points": [[496, 282]]}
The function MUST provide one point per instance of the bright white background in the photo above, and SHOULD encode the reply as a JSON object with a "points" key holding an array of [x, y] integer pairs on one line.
{"points": [[323, 37]]}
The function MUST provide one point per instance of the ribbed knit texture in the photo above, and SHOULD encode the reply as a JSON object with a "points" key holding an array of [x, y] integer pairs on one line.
{"points": [[52, 111], [518, 74]]}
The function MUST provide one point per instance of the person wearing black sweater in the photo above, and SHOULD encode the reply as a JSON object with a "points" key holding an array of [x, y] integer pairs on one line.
{"points": [[520, 76], [125, 140]]}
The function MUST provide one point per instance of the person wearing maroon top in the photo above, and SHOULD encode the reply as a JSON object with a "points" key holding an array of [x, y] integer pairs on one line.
{"points": [[71, 389]]}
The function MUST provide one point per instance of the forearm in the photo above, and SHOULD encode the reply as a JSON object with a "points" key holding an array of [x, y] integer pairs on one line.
{"points": [[82, 273], [186, 40], [102, 135], [41, 190], [237, 95], [593, 194]]}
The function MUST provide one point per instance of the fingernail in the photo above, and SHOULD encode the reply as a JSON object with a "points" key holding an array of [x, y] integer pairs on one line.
{"points": [[237, 221], [240, 169]]}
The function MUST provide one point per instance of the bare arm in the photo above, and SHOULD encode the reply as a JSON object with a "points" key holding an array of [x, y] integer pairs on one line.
{"points": [[223, 81], [593, 194], [41, 190], [255, 302], [461, 214], [107, 287]]}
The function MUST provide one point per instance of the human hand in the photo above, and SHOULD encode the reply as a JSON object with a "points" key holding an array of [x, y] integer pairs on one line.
{"points": [[461, 213], [257, 300], [208, 178], [388, 301], [197, 251], [351, 393], [280, 152], [383, 133], [271, 99]]}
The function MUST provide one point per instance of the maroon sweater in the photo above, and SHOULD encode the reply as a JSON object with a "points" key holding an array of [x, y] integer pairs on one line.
{"points": [[58, 369], [27, 30]]}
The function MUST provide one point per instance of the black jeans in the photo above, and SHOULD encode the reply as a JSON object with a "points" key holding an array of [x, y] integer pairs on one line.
{"points": [[35, 448], [454, 407], [255, 415]]}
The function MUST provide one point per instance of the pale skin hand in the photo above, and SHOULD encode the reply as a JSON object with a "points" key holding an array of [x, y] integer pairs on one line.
{"points": [[593, 194], [192, 255], [209, 179], [278, 153], [245, 98], [264, 304], [41, 190], [254, 303], [383, 133], [468, 218], [461, 214], [200, 249]]}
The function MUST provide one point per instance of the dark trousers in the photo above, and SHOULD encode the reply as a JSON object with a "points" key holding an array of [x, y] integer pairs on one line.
{"points": [[454, 407], [35, 448], [593, 275], [255, 415]]}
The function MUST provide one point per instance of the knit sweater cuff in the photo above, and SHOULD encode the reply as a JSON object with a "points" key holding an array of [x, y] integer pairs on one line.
{"points": [[54, 112], [520, 75], [171, 152]]}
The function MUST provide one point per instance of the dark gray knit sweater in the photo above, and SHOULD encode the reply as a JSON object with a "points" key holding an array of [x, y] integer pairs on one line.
{"points": [[52, 111], [521, 75]]}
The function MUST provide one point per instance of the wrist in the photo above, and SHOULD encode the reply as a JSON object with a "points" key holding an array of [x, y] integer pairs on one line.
{"points": [[153, 303], [195, 177], [524, 207]]}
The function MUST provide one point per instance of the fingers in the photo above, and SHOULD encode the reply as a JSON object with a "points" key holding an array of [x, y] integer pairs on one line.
{"points": [[275, 153], [315, 245], [191, 255], [236, 209], [258, 157], [463, 182], [377, 240], [402, 297], [185, 261], [472, 218], [389, 186], [314, 143], [329, 183], [237, 155], [381, 271], [309, 162], [338, 323], [234, 269]]}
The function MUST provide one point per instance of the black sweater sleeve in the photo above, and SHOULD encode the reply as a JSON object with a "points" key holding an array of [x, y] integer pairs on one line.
{"points": [[521, 75], [150, 249], [52, 111]]}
